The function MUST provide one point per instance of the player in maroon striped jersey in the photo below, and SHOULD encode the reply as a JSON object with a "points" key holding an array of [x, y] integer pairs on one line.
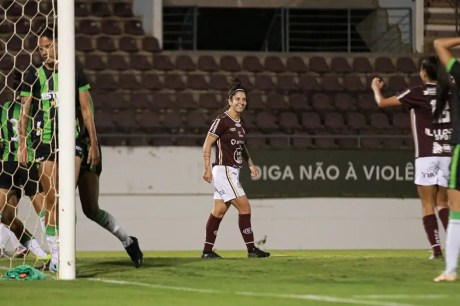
{"points": [[227, 133], [432, 148], [452, 66]]}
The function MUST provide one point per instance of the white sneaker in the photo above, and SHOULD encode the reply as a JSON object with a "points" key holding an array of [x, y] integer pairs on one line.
{"points": [[446, 278], [53, 267]]}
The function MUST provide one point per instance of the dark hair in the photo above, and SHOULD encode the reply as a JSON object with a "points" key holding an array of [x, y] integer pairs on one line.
{"points": [[234, 89], [430, 64], [49, 32], [442, 91]]}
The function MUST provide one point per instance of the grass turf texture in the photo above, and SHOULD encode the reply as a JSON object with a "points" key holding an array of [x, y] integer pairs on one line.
{"points": [[364, 277]]}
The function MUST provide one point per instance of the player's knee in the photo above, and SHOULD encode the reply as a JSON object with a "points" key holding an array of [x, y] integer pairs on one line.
{"points": [[90, 213]]}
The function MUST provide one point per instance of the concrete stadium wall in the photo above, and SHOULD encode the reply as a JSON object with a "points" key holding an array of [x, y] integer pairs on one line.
{"points": [[158, 195]]}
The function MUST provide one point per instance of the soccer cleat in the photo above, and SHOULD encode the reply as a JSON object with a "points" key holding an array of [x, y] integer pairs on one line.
{"points": [[5, 254], [20, 252], [134, 251], [446, 278], [436, 257], [257, 253], [52, 266], [210, 255]]}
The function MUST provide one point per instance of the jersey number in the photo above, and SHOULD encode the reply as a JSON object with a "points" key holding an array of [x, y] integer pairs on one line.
{"points": [[445, 115]]}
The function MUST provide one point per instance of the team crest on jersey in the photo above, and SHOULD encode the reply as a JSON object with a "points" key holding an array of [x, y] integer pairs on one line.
{"points": [[237, 124]]}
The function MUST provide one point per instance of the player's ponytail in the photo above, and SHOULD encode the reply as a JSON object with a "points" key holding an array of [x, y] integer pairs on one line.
{"points": [[442, 91]]}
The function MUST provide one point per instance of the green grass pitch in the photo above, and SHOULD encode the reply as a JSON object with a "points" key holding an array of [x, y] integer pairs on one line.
{"points": [[364, 277]]}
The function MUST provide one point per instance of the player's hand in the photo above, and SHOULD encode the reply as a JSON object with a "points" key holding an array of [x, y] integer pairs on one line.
{"points": [[254, 170], [207, 175], [377, 83], [94, 156]]}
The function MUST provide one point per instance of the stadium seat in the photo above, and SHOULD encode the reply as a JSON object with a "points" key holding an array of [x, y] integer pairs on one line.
{"points": [[289, 122], [252, 63], [229, 63], [366, 102], [162, 62], [207, 63], [151, 81], [197, 121], [105, 44], [276, 102], [296, 64], [88, 27], [356, 121], [129, 80], [318, 64], [245, 80], [14, 44], [287, 82], [344, 102], [209, 101], [308, 83], [128, 44], [322, 102], [299, 102], [264, 82], [150, 44], [325, 142], [384, 64], [173, 121], [174, 81], [22, 26], [311, 121], [105, 81], [362, 64], [110, 27], [149, 122], [397, 83], [334, 122], [126, 121], [256, 101], [256, 140], [274, 64], [185, 63], [266, 122], [196, 81], [187, 141], [379, 121], [84, 44], [104, 122], [339, 64], [162, 101], [140, 101], [81, 8], [185, 100], [140, 62], [330, 82], [406, 64], [12, 9], [123, 9], [302, 140], [95, 62], [393, 143], [278, 141], [218, 82], [133, 27], [352, 82], [101, 9], [415, 80], [402, 121]]}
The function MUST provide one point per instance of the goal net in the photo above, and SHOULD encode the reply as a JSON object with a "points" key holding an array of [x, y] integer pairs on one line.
{"points": [[28, 231]]}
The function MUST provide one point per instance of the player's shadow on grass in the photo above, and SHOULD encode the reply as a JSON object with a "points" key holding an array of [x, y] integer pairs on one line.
{"points": [[97, 268]]}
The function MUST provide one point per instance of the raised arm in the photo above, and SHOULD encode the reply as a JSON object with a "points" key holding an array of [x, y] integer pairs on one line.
{"points": [[443, 46], [208, 142], [381, 101]]}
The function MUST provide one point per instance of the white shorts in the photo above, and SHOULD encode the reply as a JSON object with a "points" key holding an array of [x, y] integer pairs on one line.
{"points": [[226, 183], [432, 170]]}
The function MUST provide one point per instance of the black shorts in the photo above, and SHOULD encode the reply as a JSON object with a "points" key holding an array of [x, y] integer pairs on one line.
{"points": [[84, 166], [15, 176], [47, 152]]}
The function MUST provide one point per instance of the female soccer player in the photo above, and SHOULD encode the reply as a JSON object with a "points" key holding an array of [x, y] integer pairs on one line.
{"points": [[228, 134], [432, 149], [452, 66]]}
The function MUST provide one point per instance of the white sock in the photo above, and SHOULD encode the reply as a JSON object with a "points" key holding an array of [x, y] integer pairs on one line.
{"points": [[4, 235], [35, 248], [14, 241], [53, 247], [111, 224], [41, 218], [452, 246]]}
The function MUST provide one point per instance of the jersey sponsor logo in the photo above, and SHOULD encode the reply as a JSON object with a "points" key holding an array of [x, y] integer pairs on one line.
{"points": [[439, 134], [430, 91], [238, 124], [233, 129], [439, 148], [236, 142], [49, 95], [238, 155]]}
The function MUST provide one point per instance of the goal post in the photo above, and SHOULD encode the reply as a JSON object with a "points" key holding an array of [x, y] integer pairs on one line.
{"points": [[66, 113]]}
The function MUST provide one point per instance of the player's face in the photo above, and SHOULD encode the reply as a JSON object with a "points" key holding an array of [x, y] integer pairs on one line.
{"points": [[47, 49], [238, 102]]}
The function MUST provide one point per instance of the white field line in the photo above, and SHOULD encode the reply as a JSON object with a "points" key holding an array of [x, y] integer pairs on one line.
{"points": [[405, 296], [320, 298]]}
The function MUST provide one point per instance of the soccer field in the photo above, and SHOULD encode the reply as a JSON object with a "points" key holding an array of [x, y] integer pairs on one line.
{"points": [[375, 277]]}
